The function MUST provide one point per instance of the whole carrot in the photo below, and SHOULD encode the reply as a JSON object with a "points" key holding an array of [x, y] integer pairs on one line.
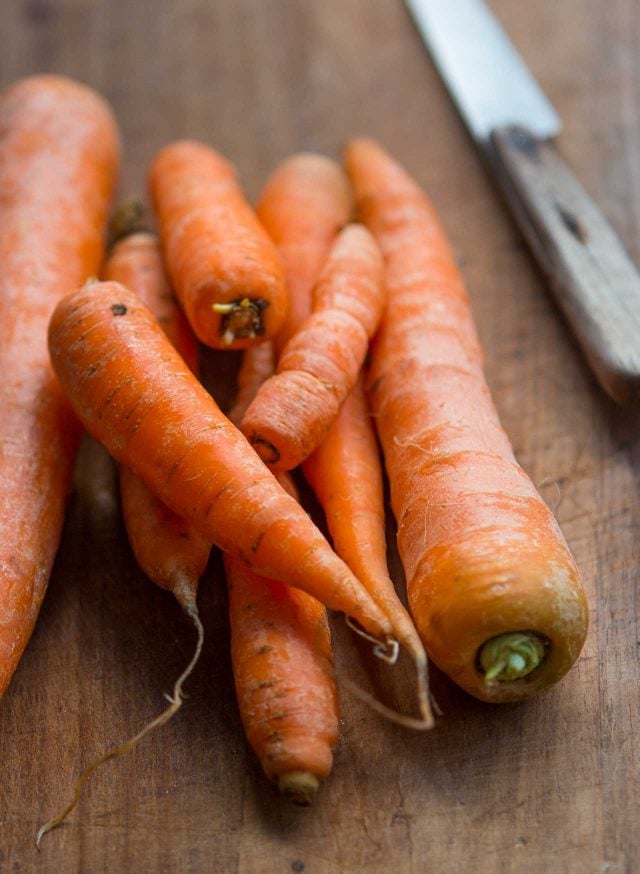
{"points": [[282, 666], [294, 409], [169, 550], [224, 267], [303, 206], [134, 393], [492, 587], [59, 156], [281, 654]]}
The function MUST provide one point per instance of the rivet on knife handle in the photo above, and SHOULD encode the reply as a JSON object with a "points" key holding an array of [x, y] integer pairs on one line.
{"points": [[595, 282]]}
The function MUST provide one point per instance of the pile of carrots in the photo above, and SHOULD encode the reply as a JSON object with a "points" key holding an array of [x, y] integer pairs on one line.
{"points": [[342, 291]]}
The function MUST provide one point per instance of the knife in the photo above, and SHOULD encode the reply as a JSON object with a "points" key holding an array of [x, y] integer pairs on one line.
{"points": [[594, 281]]}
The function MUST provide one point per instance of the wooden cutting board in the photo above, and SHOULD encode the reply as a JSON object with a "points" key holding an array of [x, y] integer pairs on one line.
{"points": [[547, 786]]}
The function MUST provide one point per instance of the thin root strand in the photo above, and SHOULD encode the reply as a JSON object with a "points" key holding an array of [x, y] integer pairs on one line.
{"points": [[386, 649], [128, 745]]}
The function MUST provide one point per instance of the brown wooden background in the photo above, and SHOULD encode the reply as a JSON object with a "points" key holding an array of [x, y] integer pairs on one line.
{"points": [[549, 786]]}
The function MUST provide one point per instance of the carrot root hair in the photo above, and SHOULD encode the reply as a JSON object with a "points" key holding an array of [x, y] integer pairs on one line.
{"points": [[128, 745], [388, 713], [387, 649]]}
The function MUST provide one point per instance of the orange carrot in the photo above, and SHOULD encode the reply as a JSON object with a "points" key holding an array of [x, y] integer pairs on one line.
{"points": [[492, 587], [59, 155], [282, 665], [225, 269], [345, 475], [305, 203], [281, 654], [170, 552], [136, 396], [319, 366]]}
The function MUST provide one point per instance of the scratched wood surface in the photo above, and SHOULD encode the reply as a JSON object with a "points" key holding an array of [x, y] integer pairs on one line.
{"points": [[548, 786]]}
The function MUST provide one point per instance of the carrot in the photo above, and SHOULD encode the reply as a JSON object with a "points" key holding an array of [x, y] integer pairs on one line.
{"points": [[492, 586], [170, 552], [281, 653], [134, 393], [282, 665], [59, 156], [305, 203], [319, 366], [225, 269]]}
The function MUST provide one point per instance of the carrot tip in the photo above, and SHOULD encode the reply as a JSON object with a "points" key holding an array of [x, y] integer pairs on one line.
{"points": [[511, 656], [299, 786]]}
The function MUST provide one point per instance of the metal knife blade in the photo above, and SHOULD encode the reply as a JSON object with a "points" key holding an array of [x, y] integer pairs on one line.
{"points": [[487, 79], [595, 283]]}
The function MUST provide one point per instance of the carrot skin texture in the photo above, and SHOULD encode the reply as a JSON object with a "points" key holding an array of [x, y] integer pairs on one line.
{"points": [[305, 203], [136, 262], [293, 410], [134, 393], [258, 364], [482, 552], [59, 157], [171, 552], [282, 664], [216, 250], [346, 477], [168, 549]]}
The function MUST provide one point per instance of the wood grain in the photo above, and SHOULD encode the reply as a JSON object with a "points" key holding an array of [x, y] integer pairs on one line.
{"points": [[596, 285], [547, 786]]}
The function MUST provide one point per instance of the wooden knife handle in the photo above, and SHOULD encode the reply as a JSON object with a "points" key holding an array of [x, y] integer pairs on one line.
{"points": [[595, 282]]}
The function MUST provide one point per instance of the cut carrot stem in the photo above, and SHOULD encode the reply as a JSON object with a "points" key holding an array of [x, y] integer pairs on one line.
{"points": [[482, 553], [225, 269], [134, 393], [59, 158], [511, 656], [293, 410]]}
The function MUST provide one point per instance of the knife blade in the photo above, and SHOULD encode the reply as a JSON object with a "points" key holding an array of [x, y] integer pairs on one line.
{"points": [[594, 281]]}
